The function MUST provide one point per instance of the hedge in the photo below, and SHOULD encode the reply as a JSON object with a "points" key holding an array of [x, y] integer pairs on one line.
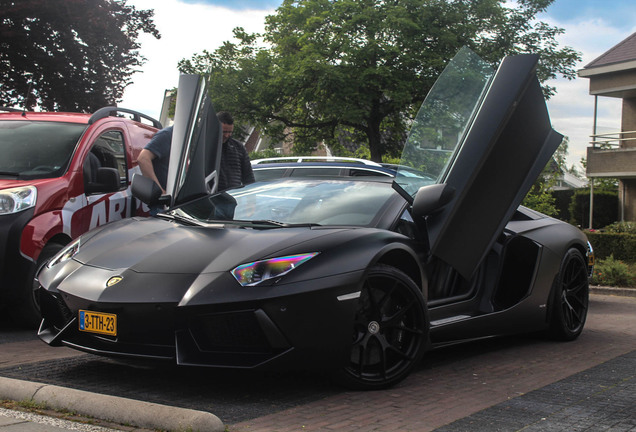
{"points": [[605, 208], [621, 245], [562, 200]]}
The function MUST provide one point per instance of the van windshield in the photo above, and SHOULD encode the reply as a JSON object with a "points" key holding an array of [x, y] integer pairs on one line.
{"points": [[37, 149]]}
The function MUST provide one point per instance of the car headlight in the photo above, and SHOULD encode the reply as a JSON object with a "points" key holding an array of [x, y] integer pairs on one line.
{"points": [[590, 259], [65, 254], [253, 273], [17, 199]]}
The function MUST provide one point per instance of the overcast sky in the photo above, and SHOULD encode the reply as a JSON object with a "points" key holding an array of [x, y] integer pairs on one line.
{"points": [[188, 27]]}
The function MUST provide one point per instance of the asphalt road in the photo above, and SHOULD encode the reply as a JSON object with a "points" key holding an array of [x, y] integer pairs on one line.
{"points": [[451, 384]]}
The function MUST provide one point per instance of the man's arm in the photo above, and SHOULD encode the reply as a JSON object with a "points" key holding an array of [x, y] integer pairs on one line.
{"points": [[247, 174], [145, 164]]}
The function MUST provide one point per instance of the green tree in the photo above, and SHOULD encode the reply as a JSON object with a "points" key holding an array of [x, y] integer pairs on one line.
{"points": [[69, 55], [330, 69], [540, 197]]}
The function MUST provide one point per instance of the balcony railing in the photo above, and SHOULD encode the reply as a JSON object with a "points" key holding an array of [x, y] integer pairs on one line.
{"points": [[612, 154], [612, 140]]}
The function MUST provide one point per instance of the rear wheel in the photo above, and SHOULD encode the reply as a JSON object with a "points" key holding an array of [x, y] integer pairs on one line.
{"points": [[390, 330], [26, 312], [571, 298]]}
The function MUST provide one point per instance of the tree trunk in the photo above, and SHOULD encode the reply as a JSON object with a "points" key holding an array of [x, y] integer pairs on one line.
{"points": [[375, 141]]}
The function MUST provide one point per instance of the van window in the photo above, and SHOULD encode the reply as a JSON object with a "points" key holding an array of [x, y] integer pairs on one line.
{"points": [[109, 149]]}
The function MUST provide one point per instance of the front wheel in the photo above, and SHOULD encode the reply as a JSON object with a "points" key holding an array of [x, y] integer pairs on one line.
{"points": [[571, 298], [390, 330]]}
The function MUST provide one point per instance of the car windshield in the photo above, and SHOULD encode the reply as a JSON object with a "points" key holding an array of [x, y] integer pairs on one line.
{"points": [[294, 202], [37, 149], [440, 125]]}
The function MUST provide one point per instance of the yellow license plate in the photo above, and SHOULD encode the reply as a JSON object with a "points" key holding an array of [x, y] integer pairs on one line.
{"points": [[98, 322]]}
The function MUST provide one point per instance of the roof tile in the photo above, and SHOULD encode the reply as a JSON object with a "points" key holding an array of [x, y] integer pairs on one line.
{"points": [[622, 52]]}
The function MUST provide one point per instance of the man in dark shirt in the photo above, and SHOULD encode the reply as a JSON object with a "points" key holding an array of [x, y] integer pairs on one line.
{"points": [[236, 169]]}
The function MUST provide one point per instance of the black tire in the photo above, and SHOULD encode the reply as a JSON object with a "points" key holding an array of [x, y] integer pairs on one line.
{"points": [[570, 299], [390, 331], [26, 311]]}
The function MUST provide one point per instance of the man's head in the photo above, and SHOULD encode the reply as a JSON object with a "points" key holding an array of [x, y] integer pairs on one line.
{"points": [[227, 122]]}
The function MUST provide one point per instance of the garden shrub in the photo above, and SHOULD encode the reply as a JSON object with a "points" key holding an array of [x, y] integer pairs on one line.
{"points": [[605, 208], [621, 227], [621, 245], [612, 272]]}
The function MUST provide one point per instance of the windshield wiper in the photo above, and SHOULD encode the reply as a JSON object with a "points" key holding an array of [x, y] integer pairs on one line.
{"points": [[179, 218], [266, 223], [242, 223], [10, 173]]}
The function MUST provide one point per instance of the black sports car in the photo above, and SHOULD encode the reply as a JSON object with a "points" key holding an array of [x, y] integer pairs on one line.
{"points": [[358, 275]]}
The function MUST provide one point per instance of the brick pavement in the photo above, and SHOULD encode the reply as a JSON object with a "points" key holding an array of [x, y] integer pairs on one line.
{"points": [[458, 382], [463, 382], [34, 351], [600, 398]]}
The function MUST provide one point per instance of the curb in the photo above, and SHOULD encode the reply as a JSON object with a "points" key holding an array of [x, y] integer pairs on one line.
{"points": [[616, 291], [111, 408]]}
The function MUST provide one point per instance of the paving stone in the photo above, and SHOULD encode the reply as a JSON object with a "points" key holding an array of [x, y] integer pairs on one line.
{"points": [[601, 398]]}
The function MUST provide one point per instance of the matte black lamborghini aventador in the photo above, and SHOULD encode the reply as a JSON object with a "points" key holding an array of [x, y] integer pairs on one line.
{"points": [[358, 275]]}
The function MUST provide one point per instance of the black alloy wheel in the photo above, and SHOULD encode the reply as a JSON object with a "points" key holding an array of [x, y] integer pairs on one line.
{"points": [[390, 330], [571, 298]]}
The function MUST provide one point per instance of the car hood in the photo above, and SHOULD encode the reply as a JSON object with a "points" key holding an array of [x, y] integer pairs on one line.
{"points": [[11, 183], [161, 246]]}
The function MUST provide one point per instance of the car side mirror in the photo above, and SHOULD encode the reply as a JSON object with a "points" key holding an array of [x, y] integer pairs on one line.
{"points": [[107, 180], [431, 198], [145, 189]]}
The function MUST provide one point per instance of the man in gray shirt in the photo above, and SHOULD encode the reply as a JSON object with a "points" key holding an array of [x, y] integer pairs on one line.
{"points": [[154, 158]]}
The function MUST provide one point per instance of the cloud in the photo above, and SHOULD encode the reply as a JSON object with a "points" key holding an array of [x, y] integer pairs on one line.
{"points": [[239, 4], [186, 29], [572, 108], [618, 14], [190, 26]]}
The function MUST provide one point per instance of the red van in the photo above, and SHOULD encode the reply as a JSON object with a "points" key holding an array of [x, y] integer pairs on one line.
{"points": [[61, 174]]}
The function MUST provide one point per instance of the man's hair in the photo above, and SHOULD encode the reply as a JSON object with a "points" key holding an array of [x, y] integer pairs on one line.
{"points": [[225, 117]]}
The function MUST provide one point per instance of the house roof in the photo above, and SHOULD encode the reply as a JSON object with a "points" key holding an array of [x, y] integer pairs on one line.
{"points": [[573, 181], [621, 56]]}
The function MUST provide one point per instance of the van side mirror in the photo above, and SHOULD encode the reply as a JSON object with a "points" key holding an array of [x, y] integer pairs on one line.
{"points": [[107, 180]]}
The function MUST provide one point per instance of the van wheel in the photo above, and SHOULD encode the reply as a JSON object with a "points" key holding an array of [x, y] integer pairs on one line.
{"points": [[26, 311]]}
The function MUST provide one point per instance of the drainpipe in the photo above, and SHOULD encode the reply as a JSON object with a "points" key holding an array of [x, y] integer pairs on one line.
{"points": [[594, 146], [623, 203], [591, 200]]}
